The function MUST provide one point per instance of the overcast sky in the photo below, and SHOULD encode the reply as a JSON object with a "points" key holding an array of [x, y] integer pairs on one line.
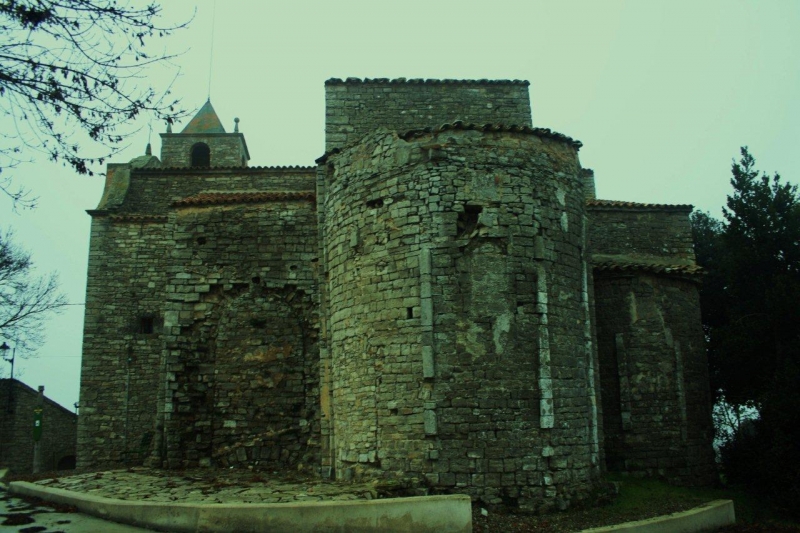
{"points": [[662, 95]]}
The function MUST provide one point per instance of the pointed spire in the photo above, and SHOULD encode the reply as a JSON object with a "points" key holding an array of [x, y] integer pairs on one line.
{"points": [[205, 121], [148, 150], [169, 127]]}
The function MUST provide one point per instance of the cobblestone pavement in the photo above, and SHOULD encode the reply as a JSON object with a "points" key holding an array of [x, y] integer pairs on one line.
{"points": [[211, 486], [29, 516]]}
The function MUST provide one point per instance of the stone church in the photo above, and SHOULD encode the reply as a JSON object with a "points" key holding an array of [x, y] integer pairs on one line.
{"points": [[440, 300]]}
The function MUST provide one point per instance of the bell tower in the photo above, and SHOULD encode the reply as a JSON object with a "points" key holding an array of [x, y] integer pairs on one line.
{"points": [[204, 143]]}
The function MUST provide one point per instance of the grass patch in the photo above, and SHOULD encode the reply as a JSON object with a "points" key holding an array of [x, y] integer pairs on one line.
{"points": [[638, 494]]}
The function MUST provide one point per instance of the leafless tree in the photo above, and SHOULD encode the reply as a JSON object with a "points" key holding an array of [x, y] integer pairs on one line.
{"points": [[72, 71], [26, 300]]}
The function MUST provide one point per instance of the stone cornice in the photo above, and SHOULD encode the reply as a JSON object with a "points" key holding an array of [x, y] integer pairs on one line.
{"points": [[422, 81]]}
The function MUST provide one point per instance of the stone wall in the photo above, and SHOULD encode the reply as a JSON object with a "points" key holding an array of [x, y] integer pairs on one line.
{"points": [[122, 342], [457, 276], [354, 107], [241, 335], [153, 190], [656, 403], [59, 430], [644, 231], [136, 251]]}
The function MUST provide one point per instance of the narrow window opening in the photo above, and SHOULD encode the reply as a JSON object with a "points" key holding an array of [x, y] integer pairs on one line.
{"points": [[258, 323], [146, 325], [409, 312], [201, 155], [468, 220], [375, 203]]}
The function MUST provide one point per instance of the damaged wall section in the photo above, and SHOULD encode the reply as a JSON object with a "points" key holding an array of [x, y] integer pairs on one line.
{"points": [[242, 364]]}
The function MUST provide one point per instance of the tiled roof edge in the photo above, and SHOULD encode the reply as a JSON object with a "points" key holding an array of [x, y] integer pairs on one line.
{"points": [[421, 81], [459, 125], [693, 271], [291, 168], [503, 128], [124, 217], [241, 198], [619, 204]]}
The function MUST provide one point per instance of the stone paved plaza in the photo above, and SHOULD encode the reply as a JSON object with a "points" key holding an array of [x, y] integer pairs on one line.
{"points": [[211, 486]]}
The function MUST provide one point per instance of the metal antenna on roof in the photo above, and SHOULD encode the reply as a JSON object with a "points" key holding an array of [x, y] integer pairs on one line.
{"points": [[211, 51]]}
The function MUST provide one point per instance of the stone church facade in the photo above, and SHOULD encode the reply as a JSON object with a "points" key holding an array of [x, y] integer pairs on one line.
{"points": [[439, 300]]}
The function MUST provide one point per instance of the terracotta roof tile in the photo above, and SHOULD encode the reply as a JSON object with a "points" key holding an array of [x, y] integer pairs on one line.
{"points": [[645, 266], [459, 125], [618, 204], [513, 128], [223, 198], [290, 168], [138, 218]]}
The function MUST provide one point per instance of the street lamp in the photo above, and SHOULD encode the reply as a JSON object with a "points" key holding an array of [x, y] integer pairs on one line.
{"points": [[5, 347]]}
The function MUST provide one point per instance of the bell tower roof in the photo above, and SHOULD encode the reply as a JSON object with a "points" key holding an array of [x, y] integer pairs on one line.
{"points": [[205, 121]]}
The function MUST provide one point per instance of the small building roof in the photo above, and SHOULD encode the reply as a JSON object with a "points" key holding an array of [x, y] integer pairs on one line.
{"points": [[205, 121]]}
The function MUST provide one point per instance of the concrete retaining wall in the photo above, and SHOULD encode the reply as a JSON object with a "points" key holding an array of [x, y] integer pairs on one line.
{"points": [[439, 514], [707, 517]]}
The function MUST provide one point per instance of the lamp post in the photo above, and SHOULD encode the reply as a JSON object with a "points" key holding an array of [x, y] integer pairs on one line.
{"points": [[5, 347]]}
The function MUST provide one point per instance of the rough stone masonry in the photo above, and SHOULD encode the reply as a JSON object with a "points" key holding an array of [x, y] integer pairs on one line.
{"points": [[440, 301]]}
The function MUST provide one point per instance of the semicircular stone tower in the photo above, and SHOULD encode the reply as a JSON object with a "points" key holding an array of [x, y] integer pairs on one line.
{"points": [[459, 334]]}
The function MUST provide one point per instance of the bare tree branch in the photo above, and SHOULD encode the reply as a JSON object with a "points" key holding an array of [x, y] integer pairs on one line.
{"points": [[26, 300], [74, 71]]}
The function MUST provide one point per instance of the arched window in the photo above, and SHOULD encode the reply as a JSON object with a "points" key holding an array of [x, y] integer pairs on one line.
{"points": [[201, 155]]}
